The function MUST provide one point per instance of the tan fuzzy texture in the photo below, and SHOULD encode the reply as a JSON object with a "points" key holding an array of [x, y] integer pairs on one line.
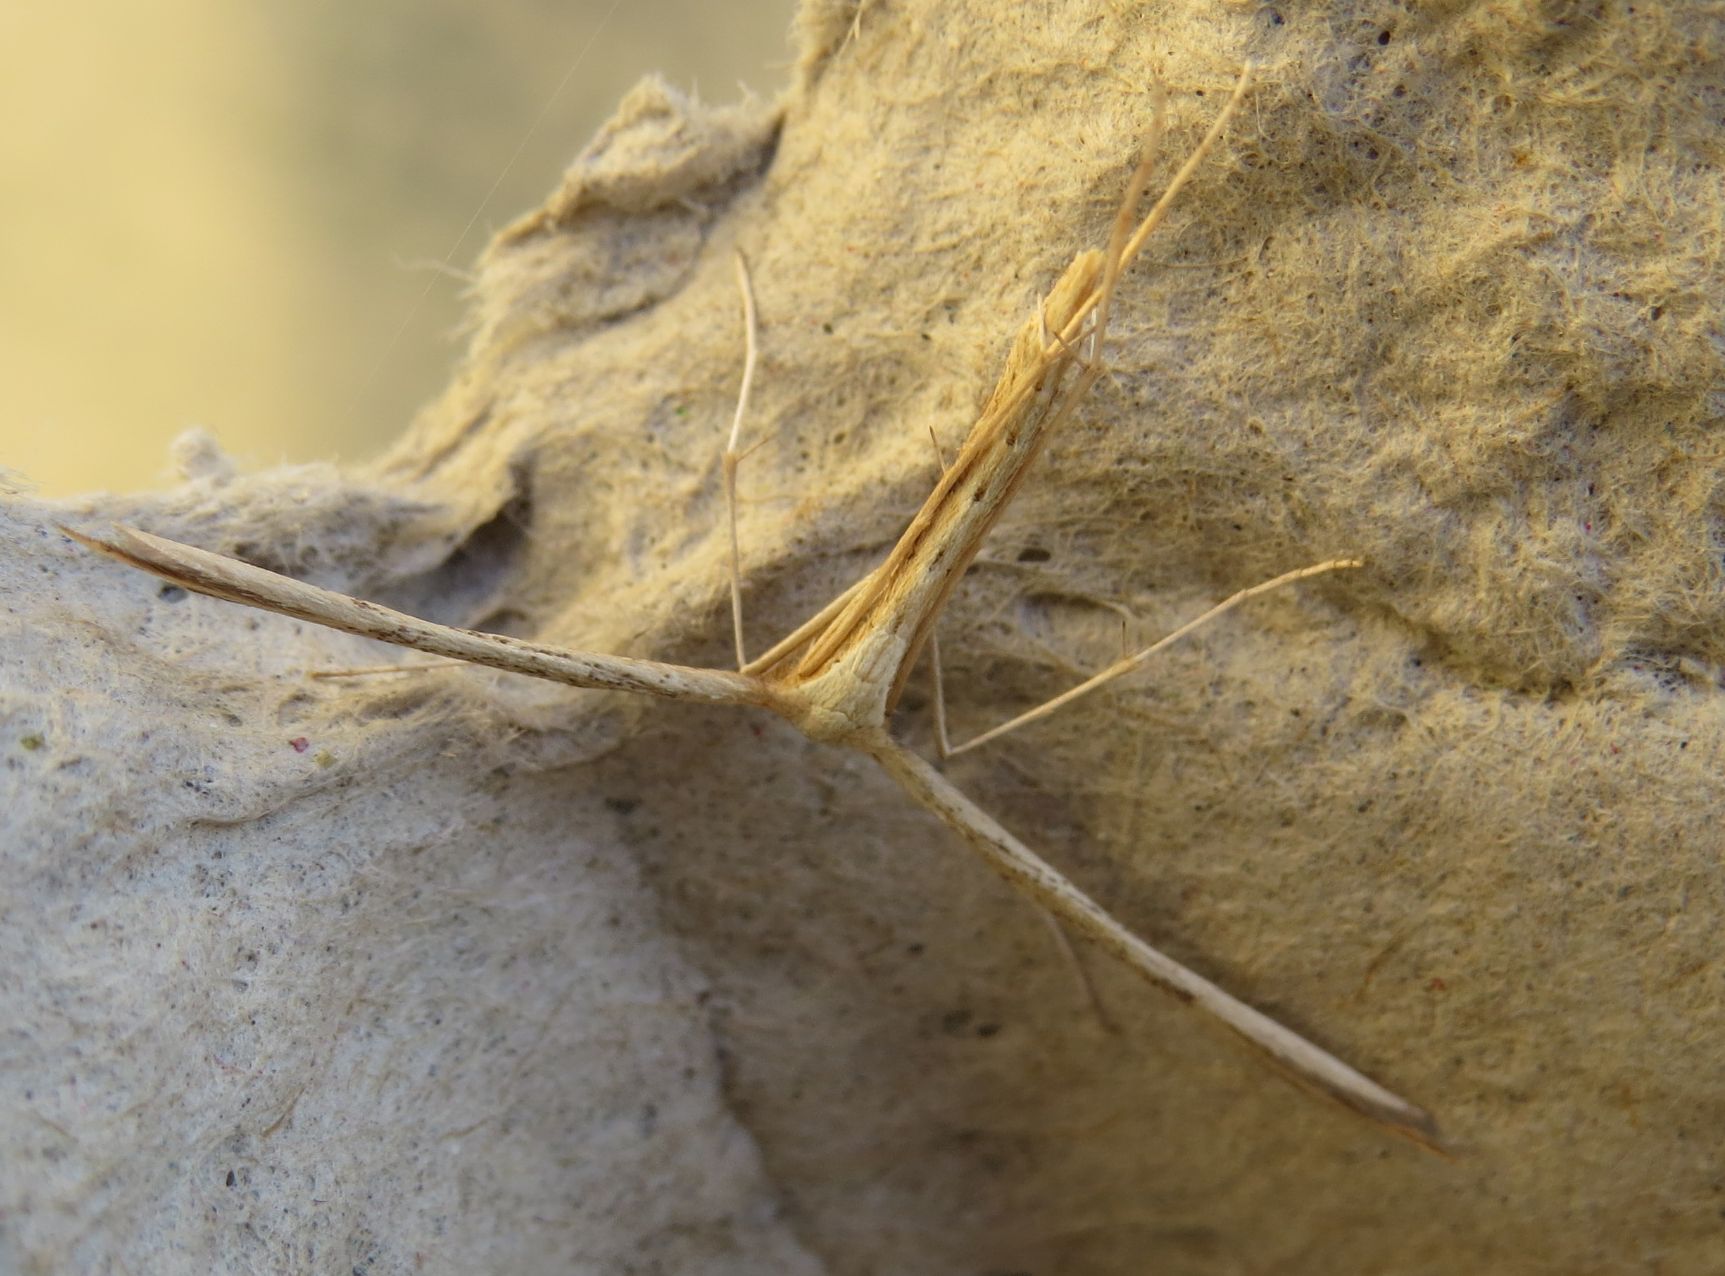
{"points": [[452, 972]]}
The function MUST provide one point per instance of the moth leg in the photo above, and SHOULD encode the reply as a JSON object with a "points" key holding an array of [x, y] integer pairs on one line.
{"points": [[731, 457], [1128, 664], [1080, 972]]}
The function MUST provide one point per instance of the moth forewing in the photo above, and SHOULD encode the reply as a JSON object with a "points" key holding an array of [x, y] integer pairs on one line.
{"points": [[227, 578], [1294, 1055]]}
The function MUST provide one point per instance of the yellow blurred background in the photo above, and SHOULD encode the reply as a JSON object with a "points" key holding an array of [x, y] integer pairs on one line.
{"points": [[235, 215]]}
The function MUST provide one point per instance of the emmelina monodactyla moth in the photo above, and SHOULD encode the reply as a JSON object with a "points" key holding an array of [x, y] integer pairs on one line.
{"points": [[838, 677]]}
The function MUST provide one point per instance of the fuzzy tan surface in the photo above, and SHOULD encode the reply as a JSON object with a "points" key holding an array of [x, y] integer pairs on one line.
{"points": [[448, 972]]}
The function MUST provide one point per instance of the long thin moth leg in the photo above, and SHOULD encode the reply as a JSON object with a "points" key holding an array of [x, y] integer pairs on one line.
{"points": [[942, 741], [731, 457], [1080, 972], [1120, 668]]}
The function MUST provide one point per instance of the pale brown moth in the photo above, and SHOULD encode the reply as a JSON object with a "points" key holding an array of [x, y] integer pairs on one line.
{"points": [[838, 677]]}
